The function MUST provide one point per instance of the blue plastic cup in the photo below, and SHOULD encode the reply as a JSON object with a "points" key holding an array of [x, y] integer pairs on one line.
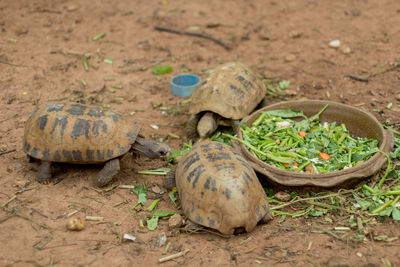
{"points": [[184, 85]]}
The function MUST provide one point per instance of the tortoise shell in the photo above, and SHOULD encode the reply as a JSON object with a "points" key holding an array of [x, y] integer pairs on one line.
{"points": [[231, 90], [219, 189], [75, 133]]}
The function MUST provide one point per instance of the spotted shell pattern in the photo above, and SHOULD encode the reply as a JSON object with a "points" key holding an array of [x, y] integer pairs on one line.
{"points": [[74, 133], [231, 90], [219, 189]]}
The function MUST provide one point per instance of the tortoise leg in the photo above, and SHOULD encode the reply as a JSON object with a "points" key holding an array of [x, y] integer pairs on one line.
{"points": [[207, 124], [235, 126], [192, 225], [106, 174], [44, 172], [30, 159], [169, 179], [267, 217], [191, 127]]}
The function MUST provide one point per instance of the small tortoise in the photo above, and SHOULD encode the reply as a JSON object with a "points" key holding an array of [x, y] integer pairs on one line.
{"points": [[218, 189], [231, 92], [74, 133]]}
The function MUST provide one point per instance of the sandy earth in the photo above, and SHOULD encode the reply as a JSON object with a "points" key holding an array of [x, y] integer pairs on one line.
{"points": [[42, 44]]}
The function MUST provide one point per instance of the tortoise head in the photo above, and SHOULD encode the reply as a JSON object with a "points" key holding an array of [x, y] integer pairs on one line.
{"points": [[150, 148], [207, 124]]}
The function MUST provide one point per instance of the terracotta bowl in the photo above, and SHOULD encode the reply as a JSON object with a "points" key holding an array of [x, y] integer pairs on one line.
{"points": [[357, 121]]}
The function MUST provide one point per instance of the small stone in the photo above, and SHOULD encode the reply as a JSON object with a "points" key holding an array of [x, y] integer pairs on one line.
{"points": [[346, 50], [282, 196], [295, 34], [71, 8], [291, 92], [359, 254], [75, 224], [334, 44], [398, 97], [290, 58], [175, 221], [162, 240], [156, 189], [3, 147], [17, 165]]}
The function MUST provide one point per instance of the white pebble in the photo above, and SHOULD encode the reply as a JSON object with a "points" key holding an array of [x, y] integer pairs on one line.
{"points": [[334, 43], [155, 127], [129, 237]]}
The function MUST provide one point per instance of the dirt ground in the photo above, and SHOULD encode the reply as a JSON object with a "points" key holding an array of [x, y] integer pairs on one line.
{"points": [[42, 47]]}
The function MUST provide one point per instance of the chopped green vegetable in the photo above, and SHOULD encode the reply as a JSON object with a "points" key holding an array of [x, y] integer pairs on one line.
{"points": [[141, 192], [108, 60], [173, 198], [284, 84], [153, 205], [152, 222], [99, 36], [159, 171], [157, 69], [305, 145]]}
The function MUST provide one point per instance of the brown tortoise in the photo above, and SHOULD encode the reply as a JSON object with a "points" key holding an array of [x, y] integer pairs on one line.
{"points": [[219, 189], [230, 92], [79, 134]]}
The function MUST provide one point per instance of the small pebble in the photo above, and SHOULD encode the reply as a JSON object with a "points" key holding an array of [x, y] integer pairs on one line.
{"points": [[129, 237], [295, 34], [17, 165], [71, 8], [162, 240], [346, 50], [175, 221], [3, 147], [156, 189], [75, 224], [290, 58], [334, 43], [282, 196]]}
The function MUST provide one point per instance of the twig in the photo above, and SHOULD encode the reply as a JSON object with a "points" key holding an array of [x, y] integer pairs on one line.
{"points": [[385, 70], [358, 78], [174, 256], [11, 64], [8, 201], [307, 199], [9, 117], [166, 248], [8, 151], [202, 35], [331, 207], [321, 230], [15, 212]]}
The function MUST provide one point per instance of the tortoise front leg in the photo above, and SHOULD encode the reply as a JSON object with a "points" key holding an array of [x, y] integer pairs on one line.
{"points": [[267, 217], [169, 179], [191, 127], [106, 174], [44, 172]]}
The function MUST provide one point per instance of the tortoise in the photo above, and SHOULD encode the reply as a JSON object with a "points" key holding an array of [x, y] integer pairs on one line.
{"points": [[80, 134], [229, 93], [218, 189]]}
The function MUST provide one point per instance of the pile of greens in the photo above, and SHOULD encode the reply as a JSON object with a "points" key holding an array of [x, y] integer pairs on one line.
{"points": [[305, 145]]}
